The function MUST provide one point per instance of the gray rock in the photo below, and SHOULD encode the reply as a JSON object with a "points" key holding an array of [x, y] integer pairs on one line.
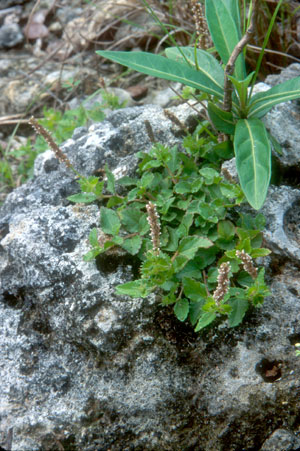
{"points": [[283, 121], [282, 209], [84, 369], [10, 35], [281, 440]]}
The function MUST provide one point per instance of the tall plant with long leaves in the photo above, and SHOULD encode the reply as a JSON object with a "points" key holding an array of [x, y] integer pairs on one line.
{"points": [[233, 108]]}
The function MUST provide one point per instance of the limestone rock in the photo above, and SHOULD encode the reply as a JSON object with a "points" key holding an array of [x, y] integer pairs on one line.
{"points": [[84, 369]]}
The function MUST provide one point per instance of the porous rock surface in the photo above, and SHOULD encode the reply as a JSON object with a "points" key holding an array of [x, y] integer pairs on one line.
{"points": [[85, 369]]}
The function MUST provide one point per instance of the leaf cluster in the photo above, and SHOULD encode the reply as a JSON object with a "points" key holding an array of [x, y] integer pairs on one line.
{"points": [[200, 229]]}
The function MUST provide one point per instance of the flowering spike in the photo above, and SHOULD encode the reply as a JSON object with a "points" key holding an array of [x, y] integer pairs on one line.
{"points": [[48, 138], [153, 220], [223, 282], [247, 263]]}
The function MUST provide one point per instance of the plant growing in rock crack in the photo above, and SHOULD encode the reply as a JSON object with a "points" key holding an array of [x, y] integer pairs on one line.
{"points": [[232, 107], [178, 217]]}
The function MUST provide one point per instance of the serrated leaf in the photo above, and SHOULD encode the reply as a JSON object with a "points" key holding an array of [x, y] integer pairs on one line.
{"points": [[130, 218], [260, 252], [158, 66], [184, 226], [109, 221], [253, 160], [85, 198], [173, 240], [127, 181], [182, 187], [179, 263], [194, 289], [132, 245], [188, 246], [196, 311], [206, 319], [210, 175], [113, 201], [110, 180], [93, 237], [226, 229], [135, 289], [239, 308], [90, 255], [181, 309]]}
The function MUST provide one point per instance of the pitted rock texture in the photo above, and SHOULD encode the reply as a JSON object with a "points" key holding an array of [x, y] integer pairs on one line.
{"points": [[84, 369], [283, 122]]}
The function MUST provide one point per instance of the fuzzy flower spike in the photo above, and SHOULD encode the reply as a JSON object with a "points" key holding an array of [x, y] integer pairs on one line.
{"points": [[223, 282], [153, 220], [52, 144], [247, 263]]}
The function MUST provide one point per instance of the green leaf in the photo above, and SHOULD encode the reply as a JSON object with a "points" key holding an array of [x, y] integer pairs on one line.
{"points": [[173, 240], [186, 222], [226, 229], [188, 246], [109, 221], [211, 175], [179, 263], [181, 309], [196, 311], [113, 201], [131, 218], [110, 180], [239, 308], [193, 289], [205, 320], [132, 245], [206, 63], [241, 87], [93, 237], [136, 289], [90, 255], [127, 181], [224, 31], [182, 187], [260, 252], [222, 120], [158, 66], [234, 8], [262, 102], [85, 198], [253, 160]]}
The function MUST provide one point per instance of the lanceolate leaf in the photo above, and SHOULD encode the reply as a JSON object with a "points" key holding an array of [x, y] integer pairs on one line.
{"points": [[221, 119], [262, 102], [224, 32], [206, 63], [158, 66], [234, 8], [253, 159]]}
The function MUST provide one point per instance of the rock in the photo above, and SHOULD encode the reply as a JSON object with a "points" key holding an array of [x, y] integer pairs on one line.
{"points": [[283, 121], [10, 35], [281, 439], [84, 369], [282, 212]]}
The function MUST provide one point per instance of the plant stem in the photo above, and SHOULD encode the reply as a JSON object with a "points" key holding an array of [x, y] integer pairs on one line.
{"points": [[229, 69]]}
